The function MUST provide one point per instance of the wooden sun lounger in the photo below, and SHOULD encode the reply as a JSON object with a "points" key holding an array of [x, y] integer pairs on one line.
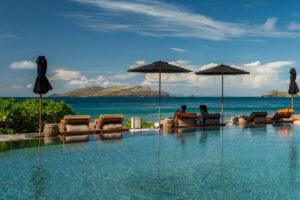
{"points": [[75, 120], [251, 119], [110, 119], [208, 117]]}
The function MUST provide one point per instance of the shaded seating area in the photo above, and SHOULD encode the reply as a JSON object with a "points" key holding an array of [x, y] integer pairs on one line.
{"points": [[110, 126], [191, 120]]}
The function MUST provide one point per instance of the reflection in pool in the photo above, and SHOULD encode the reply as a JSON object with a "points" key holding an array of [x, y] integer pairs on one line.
{"points": [[258, 162]]}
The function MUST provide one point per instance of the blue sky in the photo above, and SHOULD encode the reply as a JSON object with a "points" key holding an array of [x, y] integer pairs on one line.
{"points": [[94, 42]]}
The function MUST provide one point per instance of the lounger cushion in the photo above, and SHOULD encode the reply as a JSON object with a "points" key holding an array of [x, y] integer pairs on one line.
{"points": [[213, 116], [186, 122], [112, 126], [71, 128], [212, 121], [76, 138], [255, 115], [260, 119], [111, 135]]}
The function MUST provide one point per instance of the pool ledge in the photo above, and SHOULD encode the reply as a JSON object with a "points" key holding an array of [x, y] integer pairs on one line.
{"points": [[14, 137]]}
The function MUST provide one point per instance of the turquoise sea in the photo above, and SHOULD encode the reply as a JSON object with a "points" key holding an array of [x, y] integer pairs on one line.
{"points": [[147, 107]]}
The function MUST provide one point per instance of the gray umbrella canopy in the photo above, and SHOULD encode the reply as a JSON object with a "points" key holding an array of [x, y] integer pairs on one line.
{"points": [[159, 67], [222, 70], [293, 88]]}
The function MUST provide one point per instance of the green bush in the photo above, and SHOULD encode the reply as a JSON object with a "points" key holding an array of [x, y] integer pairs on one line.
{"points": [[23, 116], [127, 124]]}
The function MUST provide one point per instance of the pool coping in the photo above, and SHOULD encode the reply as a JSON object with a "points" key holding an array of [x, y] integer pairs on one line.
{"points": [[22, 136]]}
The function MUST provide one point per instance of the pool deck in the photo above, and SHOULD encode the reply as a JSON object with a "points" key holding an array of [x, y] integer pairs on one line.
{"points": [[13, 137], [22, 136]]}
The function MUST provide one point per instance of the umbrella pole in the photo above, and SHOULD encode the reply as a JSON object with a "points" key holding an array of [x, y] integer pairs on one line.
{"points": [[159, 96], [222, 95], [40, 115]]}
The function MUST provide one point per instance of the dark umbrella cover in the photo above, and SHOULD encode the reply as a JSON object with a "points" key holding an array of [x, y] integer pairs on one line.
{"points": [[293, 89], [42, 85], [222, 70], [159, 67]]}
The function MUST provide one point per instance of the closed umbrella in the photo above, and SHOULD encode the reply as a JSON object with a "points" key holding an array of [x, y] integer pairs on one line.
{"points": [[42, 85], [222, 70], [159, 67], [293, 89]]}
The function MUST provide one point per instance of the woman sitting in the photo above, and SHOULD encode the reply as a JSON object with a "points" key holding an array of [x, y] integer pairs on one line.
{"points": [[203, 114]]}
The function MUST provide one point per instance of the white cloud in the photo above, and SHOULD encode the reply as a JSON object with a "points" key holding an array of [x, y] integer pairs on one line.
{"points": [[67, 75], [293, 26], [270, 24], [263, 77], [137, 63], [23, 65], [155, 18], [252, 64], [178, 50], [29, 86], [7, 36]]}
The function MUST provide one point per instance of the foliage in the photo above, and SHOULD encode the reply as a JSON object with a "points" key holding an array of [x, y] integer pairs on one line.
{"points": [[22, 116], [127, 124]]}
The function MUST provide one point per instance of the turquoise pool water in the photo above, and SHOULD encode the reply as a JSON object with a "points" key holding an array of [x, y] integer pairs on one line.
{"points": [[259, 162]]}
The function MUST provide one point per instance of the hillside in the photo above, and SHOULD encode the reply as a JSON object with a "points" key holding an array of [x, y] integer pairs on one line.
{"points": [[117, 91], [275, 93]]}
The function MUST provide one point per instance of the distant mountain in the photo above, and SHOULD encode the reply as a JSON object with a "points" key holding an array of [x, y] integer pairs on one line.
{"points": [[117, 91], [275, 93]]}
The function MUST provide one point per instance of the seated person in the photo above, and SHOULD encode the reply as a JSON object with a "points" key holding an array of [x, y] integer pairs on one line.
{"points": [[175, 114], [203, 113], [183, 109]]}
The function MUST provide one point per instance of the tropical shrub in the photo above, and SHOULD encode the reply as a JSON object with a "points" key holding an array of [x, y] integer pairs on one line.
{"points": [[127, 124], [23, 116]]}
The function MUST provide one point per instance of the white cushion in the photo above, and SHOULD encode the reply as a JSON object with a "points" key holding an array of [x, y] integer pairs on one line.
{"points": [[82, 127], [112, 126]]}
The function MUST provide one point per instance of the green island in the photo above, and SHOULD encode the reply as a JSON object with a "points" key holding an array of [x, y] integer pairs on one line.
{"points": [[276, 93], [116, 91]]}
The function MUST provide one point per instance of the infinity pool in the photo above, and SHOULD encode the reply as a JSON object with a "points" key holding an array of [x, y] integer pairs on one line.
{"points": [[230, 163]]}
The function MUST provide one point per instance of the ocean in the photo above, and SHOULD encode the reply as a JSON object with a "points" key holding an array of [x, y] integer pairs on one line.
{"points": [[147, 107]]}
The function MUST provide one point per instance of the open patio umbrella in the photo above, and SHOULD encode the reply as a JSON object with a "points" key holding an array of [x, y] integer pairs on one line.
{"points": [[222, 70], [293, 89], [159, 67], [42, 85]]}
